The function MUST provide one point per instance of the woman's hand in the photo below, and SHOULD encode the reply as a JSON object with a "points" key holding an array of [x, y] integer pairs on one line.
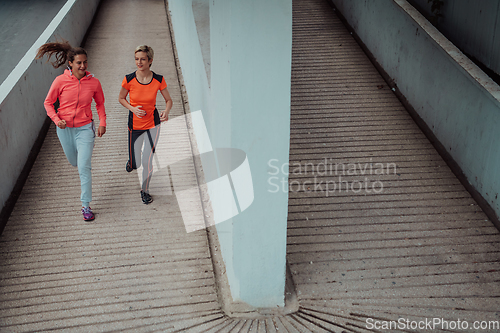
{"points": [[164, 116], [138, 111], [61, 124], [101, 130]]}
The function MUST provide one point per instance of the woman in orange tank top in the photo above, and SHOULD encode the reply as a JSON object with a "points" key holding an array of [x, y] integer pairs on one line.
{"points": [[144, 120]]}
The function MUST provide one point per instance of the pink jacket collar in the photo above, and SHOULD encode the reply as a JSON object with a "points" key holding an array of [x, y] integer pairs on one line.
{"points": [[69, 73]]}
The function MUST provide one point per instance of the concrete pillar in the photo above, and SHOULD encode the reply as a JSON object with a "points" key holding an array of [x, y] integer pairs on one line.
{"points": [[236, 65], [250, 59]]}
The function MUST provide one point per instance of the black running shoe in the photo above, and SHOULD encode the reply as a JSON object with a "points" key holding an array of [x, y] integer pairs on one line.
{"points": [[146, 198], [128, 167]]}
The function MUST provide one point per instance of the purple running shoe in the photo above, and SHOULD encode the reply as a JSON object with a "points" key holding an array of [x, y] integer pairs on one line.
{"points": [[87, 214]]}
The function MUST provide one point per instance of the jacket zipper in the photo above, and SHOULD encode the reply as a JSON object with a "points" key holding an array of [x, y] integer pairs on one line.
{"points": [[77, 102]]}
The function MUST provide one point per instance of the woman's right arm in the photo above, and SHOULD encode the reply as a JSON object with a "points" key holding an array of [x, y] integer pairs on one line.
{"points": [[51, 98], [122, 98]]}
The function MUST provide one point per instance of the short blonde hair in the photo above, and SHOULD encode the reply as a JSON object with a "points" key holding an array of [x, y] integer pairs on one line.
{"points": [[147, 49]]}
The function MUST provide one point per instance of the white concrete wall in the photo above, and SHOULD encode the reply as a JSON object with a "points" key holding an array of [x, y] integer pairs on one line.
{"points": [[22, 94], [458, 102], [246, 106]]}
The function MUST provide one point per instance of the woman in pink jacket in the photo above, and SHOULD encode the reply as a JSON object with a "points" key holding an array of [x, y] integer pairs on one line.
{"points": [[75, 89]]}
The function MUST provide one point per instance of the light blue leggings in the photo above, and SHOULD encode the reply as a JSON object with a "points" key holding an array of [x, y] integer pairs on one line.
{"points": [[78, 144]]}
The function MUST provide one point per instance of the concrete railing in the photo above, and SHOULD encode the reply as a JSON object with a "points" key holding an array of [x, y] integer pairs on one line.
{"points": [[22, 114], [456, 100], [470, 25]]}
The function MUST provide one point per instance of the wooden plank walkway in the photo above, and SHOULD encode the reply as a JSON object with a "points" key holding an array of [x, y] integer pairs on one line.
{"points": [[420, 248], [134, 268]]}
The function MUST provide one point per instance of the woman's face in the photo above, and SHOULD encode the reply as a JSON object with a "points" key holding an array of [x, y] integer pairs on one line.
{"points": [[79, 65], [142, 61]]}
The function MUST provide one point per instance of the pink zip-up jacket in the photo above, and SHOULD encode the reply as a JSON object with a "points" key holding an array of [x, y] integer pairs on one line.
{"points": [[75, 99]]}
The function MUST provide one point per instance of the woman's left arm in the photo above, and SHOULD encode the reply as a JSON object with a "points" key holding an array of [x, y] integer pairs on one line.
{"points": [[101, 111], [169, 103]]}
